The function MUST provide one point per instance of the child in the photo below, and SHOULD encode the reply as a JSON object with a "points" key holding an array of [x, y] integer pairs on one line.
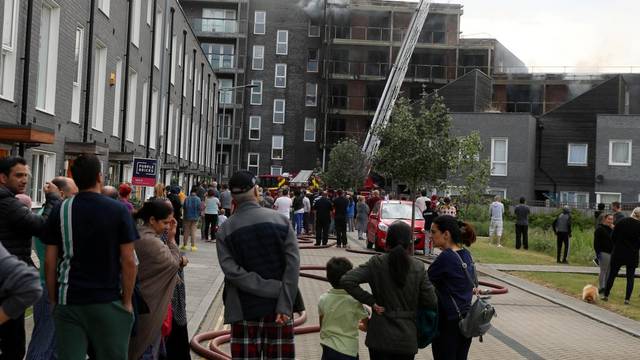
{"points": [[340, 316], [221, 218]]}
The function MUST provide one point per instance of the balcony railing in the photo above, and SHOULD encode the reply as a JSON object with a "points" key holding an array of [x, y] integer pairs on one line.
{"points": [[532, 107], [225, 61], [414, 71], [358, 68], [361, 33], [354, 103], [217, 26], [426, 37]]}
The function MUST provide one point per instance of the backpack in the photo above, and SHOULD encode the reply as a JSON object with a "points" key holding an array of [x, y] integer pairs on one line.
{"points": [[297, 203]]}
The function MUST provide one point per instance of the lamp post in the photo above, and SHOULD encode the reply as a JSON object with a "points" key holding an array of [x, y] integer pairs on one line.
{"points": [[217, 133]]}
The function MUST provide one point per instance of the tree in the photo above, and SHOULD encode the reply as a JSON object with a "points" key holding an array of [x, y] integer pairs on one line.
{"points": [[347, 166], [471, 170], [416, 147]]}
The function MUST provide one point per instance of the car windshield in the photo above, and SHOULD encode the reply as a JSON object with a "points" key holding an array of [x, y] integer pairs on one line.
{"points": [[399, 211]]}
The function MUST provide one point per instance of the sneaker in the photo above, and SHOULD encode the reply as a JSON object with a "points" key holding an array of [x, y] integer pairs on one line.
{"points": [[626, 302], [193, 248], [604, 298], [499, 245], [183, 247]]}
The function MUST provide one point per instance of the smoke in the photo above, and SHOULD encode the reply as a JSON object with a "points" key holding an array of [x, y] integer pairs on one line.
{"points": [[315, 8]]}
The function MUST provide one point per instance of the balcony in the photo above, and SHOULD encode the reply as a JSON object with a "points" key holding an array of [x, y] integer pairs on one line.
{"points": [[353, 105], [426, 37], [222, 28], [535, 108], [351, 70], [225, 63], [360, 33]]}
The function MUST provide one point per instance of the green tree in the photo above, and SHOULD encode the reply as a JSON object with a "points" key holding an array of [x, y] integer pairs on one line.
{"points": [[471, 170], [416, 147], [347, 166]]}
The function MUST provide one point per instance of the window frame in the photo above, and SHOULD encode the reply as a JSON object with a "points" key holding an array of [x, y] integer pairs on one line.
{"points": [[256, 166], [274, 173], [99, 72], [494, 190], [307, 96], [117, 98], [274, 148], [135, 23], [600, 193], [49, 171], [283, 112], [311, 26], [157, 38], [586, 154], [76, 96], [155, 98], [224, 131], [316, 60], [506, 156], [104, 6], [256, 23], [223, 99], [130, 131], [9, 53], [281, 77], [48, 103], [255, 92], [143, 115], [252, 128], [306, 129], [629, 152], [285, 43], [575, 195], [254, 58]]}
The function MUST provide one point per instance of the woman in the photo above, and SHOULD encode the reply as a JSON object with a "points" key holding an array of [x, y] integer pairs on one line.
{"points": [[159, 192], [452, 285], [157, 274], [351, 212], [400, 286], [603, 246], [447, 208], [626, 243], [211, 211], [362, 217]]}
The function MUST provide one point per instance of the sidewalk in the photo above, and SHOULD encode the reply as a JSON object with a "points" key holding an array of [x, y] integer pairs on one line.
{"points": [[550, 268]]}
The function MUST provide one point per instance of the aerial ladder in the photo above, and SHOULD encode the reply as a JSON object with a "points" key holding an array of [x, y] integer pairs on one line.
{"points": [[396, 77]]}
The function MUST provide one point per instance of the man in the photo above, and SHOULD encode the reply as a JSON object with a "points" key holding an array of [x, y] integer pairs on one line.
{"points": [[617, 212], [298, 211], [91, 289], [323, 207], [340, 204], [373, 200], [429, 214], [110, 192], [258, 254], [17, 225], [43, 341], [306, 203], [283, 204], [562, 228], [522, 224], [191, 215], [496, 210], [202, 194], [225, 199], [421, 200]]}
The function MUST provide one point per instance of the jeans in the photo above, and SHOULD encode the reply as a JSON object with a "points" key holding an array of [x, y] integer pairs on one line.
{"points": [[350, 224], [298, 222], [43, 337], [210, 223], [562, 239], [522, 236], [604, 260]]}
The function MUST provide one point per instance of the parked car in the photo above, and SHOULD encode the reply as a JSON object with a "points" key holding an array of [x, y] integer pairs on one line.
{"points": [[387, 212]]}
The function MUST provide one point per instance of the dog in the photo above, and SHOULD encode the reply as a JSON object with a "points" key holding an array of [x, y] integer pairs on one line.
{"points": [[590, 294]]}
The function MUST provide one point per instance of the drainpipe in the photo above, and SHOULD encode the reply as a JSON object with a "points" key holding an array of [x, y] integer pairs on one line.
{"points": [[25, 73], [184, 65], [207, 122], [540, 127], [152, 58], [87, 90], [325, 71], [166, 119], [200, 114], [127, 55], [214, 130], [193, 99]]}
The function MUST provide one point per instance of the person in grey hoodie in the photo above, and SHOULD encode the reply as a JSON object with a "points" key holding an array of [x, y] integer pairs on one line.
{"points": [[562, 229]]}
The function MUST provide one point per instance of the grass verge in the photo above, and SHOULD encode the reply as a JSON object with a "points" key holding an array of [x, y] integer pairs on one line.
{"points": [[572, 284]]}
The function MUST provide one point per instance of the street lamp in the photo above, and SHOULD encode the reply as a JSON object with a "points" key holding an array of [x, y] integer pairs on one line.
{"points": [[217, 133]]}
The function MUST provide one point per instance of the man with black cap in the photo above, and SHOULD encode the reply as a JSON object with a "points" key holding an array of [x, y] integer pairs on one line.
{"points": [[258, 254]]}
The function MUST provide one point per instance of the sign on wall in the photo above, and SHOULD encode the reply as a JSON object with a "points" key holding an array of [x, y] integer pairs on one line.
{"points": [[144, 172]]}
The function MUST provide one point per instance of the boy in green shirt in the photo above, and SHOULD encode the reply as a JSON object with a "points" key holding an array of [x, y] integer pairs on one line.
{"points": [[340, 316]]}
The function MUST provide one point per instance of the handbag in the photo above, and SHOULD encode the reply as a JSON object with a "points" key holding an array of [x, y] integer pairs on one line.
{"points": [[427, 327], [478, 320]]}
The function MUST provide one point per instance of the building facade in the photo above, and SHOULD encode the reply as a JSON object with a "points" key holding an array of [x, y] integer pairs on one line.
{"points": [[126, 80]]}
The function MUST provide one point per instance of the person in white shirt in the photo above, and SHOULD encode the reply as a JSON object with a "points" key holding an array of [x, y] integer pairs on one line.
{"points": [[283, 204], [496, 210], [221, 218], [421, 200]]}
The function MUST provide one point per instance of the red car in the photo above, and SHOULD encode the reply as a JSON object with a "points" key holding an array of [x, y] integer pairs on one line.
{"points": [[387, 212]]}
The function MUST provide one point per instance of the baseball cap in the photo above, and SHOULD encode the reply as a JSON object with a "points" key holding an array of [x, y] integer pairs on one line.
{"points": [[241, 182]]}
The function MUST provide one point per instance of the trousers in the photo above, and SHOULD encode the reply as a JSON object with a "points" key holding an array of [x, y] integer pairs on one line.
{"points": [[613, 272], [322, 231], [562, 239], [450, 344], [522, 236], [341, 231], [12, 339], [604, 261]]}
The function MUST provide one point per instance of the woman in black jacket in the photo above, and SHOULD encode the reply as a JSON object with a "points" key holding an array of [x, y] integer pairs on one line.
{"points": [[603, 246], [452, 284], [626, 244], [400, 286]]}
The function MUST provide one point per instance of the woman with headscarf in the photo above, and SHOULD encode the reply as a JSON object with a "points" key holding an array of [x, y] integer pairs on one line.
{"points": [[626, 244], [400, 286], [157, 275]]}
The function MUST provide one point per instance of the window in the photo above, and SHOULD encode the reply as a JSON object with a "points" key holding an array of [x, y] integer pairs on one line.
{"points": [[154, 118], [135, 23], [167, 37], [277, 145], [77, 78], [224, 126], [219, 20], [276, 170], [256, 92], [48, 56], [574, 198], [499, 156], [43, 169], [189, 66], [254, 127], [282, 42], [170, 130], [117, 97], [312, 60], [186, 74], [311, 98], [257, 62], [131, 106], [104, 6], [196, 88], [226, 95], [174, 63], [620, 152], [9, 49], [497, 192], [149, 11], [157, 40], [278, 111], [281, 76], [253, 163], [176, 131], [221, 56], [608, 197], [222, 158], [259, 22], [143, 117], [314, 28], [577, 155], [99, 85], [310, 129], [180, 54]]}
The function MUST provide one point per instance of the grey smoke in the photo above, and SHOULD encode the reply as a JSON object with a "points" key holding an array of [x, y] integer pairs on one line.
{"points": [[315, 8]]}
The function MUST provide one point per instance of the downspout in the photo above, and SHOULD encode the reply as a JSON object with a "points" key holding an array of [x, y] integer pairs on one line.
{"points": [[27, 63], [325, 71], [169, 68], [193, 99], [540, 127], [152, 58], [184, 65], [123, 132], [214, 130], [208, 122], [87, 89], [200, 115]]}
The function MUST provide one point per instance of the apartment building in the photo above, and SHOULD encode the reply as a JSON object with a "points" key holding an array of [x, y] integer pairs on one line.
{"points": [[115, 78]]}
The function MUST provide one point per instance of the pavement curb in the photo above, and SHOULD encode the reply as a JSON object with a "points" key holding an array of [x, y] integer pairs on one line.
{"points": [[593, 312], [201, 313]]}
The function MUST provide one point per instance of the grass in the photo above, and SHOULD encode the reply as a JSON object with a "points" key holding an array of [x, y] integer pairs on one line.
{"points": [[572, 284], [485, 253]]}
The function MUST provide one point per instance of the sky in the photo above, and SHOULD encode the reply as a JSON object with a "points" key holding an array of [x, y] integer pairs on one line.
{"points": [[573, 33]]}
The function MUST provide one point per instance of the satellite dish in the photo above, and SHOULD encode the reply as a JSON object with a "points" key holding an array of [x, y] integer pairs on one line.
{"points": [[600, 179]]}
